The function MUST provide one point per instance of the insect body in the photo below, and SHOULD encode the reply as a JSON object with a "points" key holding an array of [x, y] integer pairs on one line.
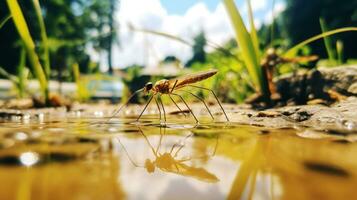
{"points": [[170, 87]]}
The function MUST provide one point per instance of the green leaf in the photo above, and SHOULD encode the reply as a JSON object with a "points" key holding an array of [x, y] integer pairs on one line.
{"points": [[292, 51], [327, 41], [3, 21], [46, 55], [246, 45], [253, 31], [24, 33]]}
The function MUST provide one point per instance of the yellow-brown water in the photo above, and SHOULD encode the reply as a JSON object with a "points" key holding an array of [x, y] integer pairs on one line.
{"points": [[81, 157]]}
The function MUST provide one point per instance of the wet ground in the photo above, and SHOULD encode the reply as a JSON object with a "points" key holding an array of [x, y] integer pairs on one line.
{"points": [[81, 155]]}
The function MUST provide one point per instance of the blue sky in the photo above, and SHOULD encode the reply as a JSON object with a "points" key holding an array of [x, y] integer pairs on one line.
{"points": [[179, 7]]}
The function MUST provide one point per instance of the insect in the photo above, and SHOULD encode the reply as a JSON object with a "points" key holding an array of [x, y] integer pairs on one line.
{"points": [[169, 161], [170, 88]]}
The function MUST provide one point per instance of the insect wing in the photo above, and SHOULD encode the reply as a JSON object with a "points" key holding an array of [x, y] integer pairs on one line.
{"points": [[193, 172], [182, 81]]}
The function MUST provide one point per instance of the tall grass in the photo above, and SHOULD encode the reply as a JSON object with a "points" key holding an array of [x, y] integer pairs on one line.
{"points": [[22, 73], [327, 41], [248, 44], [339, 50], [82, 91], [3, 21], [29, 44], [19, 81], [44, 44], [293, 51]]}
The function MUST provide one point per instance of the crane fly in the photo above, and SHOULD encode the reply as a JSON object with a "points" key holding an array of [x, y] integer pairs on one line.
{"points": [[170, 88], [168, 161]]}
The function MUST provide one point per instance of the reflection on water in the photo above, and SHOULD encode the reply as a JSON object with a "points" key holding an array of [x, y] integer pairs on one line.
{"points": [[78, 159]]}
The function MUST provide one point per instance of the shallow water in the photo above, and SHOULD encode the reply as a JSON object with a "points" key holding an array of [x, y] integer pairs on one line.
{"points": [[83, 156]]}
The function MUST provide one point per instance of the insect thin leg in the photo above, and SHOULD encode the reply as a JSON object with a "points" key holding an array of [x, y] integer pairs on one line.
{"points": [[152, 96], [199, 98], [163, 108], [176, 105], [148, 142], [215, 96], [158, 107], [125, 104], [184, 143], [127, 153], [160, 140], [183, 100]]}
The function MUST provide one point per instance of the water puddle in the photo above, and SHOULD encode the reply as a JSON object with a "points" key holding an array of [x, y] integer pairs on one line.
{"points": [[81, 157]]}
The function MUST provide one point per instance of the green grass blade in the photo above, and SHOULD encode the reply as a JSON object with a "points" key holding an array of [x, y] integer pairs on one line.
{"points": [[339, 49], [253, 30], [21, 71], [24, 33], [46, 55], [247, 48], [327, 41], [292, 51], [3, 21], [11, 77]]}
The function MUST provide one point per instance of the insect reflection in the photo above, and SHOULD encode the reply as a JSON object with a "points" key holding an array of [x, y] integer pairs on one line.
{"points": [[170, 161], [170, 88]]}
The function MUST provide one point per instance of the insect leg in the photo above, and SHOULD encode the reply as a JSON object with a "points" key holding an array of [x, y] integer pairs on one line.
{"points": [[152, 96], [127, 153], [148, 142], [160, 140], [125, 104], [213, 153], [176, 105], [184, 143], [163, 108], [199, 98], [158, 107], [215, 96], [183, 100]]}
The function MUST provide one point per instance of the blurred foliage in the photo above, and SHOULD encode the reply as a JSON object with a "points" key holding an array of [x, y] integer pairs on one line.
{"points": [[133, 81], [83, 93], [232, 83], [198, 49], [71, 25], [301, 21], [29, 45]]}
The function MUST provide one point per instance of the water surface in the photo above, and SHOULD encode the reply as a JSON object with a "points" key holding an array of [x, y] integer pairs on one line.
{"points": [[83, 156]]}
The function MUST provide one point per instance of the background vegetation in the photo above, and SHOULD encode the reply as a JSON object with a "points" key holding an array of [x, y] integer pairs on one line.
{"points": [[66, 28]]}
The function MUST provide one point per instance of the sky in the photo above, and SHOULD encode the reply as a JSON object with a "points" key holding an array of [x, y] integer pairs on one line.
{"points": [[183, 18]]}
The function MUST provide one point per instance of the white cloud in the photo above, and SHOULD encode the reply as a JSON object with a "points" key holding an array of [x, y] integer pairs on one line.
{"points": [[278, 8], [144, 49], [257, 5]]}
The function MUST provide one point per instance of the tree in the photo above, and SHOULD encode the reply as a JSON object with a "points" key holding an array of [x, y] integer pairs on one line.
{"points": [[71, 26], [198, 49]]}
